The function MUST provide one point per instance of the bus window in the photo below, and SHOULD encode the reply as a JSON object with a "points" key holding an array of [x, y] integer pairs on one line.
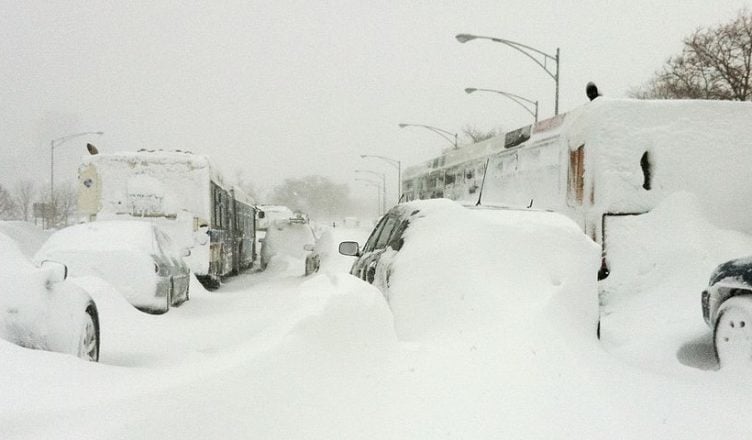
{"points": [[576, 181]]}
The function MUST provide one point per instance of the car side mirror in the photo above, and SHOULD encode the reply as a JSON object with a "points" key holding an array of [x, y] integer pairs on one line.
{"points": [[349, 248], [308, 247], [55, 271], [186, 252]]}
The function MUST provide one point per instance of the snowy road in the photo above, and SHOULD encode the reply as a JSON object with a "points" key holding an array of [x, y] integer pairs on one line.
{"points": [[276, 356]]}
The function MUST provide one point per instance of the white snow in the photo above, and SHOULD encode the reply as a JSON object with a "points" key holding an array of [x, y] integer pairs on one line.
{"points": [[492, 337]]}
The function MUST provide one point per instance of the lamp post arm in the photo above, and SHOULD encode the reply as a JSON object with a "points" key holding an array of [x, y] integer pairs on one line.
{"points": [[525, 50], [443, 133], [516, 98]]}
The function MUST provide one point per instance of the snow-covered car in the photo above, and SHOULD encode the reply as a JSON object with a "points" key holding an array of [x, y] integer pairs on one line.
{"points": [[40, 309], [376, 259], [439, 264], [727, 309], [136, 257], [291, 239]]}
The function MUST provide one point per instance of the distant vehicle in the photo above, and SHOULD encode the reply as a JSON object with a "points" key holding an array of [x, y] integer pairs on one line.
{"points": [[727, 309], [137, 258], [291, 239], [185, 195], [42, 310]]}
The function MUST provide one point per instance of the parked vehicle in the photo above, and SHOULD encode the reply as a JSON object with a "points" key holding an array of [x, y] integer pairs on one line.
{"points": [[42, 310], [727, 309], [291, 239], [137, 258], [376, 259], [185, 194], [604, 163]]}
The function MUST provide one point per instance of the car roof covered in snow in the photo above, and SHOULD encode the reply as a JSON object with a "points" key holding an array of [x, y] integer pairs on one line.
{"points": [[121, 235]]}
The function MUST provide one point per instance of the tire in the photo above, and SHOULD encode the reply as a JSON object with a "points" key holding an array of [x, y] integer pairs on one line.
{"points": [[732, 336], [88, 348]]}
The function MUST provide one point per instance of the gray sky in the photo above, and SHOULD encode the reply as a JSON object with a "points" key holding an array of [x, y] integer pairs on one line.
{"points": [[290, 88]]}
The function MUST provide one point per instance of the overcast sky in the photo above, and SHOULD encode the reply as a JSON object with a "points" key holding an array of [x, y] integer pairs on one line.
{"points": [[282, 89]]}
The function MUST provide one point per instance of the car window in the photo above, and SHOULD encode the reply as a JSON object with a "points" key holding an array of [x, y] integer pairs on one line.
{"points": [[386, 232], [396, 241], [371, 242]]}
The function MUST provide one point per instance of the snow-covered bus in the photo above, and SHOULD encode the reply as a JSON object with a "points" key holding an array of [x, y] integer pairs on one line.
{"points": [[606, 161], [182, 192]]}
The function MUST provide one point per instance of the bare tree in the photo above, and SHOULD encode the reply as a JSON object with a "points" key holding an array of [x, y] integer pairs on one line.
{"points": [[475, 134], [7, 205], [26, 191], [65, 205], [715, 63]]}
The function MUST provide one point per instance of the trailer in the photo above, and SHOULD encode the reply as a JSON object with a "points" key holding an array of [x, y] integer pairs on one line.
{"points": [[185, 195], [606, 162]]}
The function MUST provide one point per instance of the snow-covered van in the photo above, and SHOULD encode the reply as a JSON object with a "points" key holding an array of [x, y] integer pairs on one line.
{"points": [[605, 162], [183, 193]]}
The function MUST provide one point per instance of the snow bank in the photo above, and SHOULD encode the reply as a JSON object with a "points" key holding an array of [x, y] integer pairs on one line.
{"points": [[28, 236], [659, 267]]}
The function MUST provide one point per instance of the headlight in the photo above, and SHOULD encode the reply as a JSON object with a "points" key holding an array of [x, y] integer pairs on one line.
{"points": [[156, 268]]}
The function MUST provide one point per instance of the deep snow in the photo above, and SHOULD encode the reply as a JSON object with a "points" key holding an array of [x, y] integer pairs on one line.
{"points": [[322, 357]]}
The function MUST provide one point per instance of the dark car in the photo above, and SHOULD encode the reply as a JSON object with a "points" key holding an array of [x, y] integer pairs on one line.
{"points": [[727, 309], [387, 235]]}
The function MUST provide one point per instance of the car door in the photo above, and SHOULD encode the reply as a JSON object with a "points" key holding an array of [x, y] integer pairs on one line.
{"points": [[371, 256]]}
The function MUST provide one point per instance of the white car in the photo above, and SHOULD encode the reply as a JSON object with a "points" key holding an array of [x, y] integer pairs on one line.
{"points": [[40, 309], [135, 257], [291, 239]]}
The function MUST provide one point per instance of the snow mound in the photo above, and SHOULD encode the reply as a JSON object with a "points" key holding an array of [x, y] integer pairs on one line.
{"points": [[28, 236], [466, 273], [343, 314]]}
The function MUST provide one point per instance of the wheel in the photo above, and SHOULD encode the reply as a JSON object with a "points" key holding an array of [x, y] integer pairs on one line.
{"points": [[733, 332], [88, 348]]}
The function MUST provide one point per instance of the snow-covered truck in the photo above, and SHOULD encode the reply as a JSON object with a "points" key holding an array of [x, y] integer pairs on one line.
{"points": [[605, 162], [184, 194]]}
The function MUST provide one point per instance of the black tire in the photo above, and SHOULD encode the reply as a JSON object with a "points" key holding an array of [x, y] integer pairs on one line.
{"points": [[88, 348]]}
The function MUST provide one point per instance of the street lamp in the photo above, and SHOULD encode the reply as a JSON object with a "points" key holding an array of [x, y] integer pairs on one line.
{"points": [[395, 163], [529, 52], [56, 143], [378, 192], [443, 133], [513, 97], [383, 185]]}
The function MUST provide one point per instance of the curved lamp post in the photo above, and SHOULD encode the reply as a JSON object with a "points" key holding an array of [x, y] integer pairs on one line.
{"points": [[393, 162], [383, 186], [443, 133], [516, 98], [56, 143], [528, 51]]}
